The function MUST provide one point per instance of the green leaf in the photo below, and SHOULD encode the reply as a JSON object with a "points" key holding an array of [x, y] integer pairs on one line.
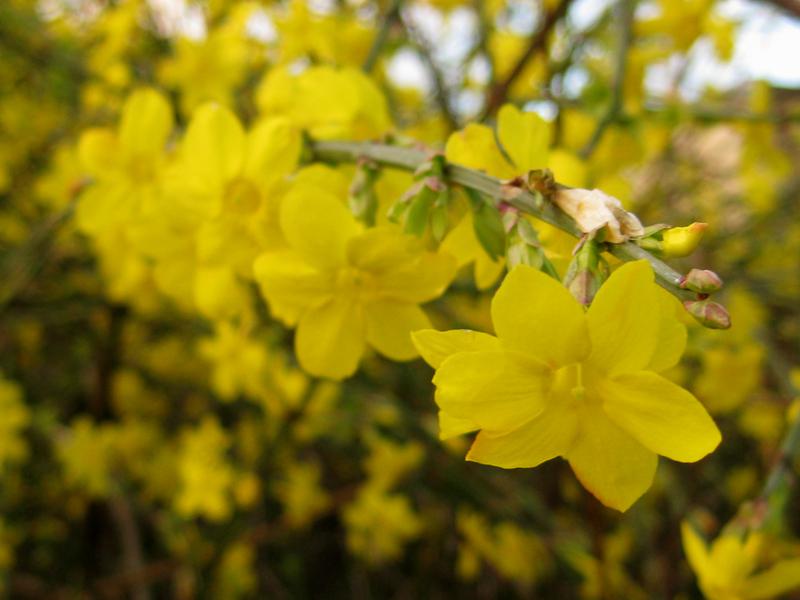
{"points": [[489, 230], [418, 212]]}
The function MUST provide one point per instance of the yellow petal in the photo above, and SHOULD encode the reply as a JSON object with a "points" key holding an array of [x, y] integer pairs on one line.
{"points": [[389, 327], [325, 178], [461, 241], [226, 241], [146, 123], [99, 153], [487, 270], [609, 463], [535, 314], [290, 285], [695, 549], [661, 415], [671, 334], [103, 206], [623, 324], [402, 270], [525, 137], [497, 390], [214, 147], [544, 437], [450, 426], [329, 340], [217, 293], [568, 168], [273, 149], [435, 346], [475, 147], [379, 249], [773, 582], [317, 226]]}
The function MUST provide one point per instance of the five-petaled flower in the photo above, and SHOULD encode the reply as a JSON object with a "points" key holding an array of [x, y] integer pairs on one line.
{"points": [[558, 381], [344, 286]]}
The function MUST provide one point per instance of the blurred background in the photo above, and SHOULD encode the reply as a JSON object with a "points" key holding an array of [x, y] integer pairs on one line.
{"points": [[153, 447]]}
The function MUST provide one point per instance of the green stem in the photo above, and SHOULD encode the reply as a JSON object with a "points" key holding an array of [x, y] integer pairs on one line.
{"points": [[535, 204], [781, 472]]}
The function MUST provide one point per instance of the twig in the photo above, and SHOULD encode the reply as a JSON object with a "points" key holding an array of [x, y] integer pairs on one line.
{"points": [[625, 9], [538, 43], [114, 586], [381, 37], [534, 204], [781, 472], [440, 91], [22, 267], [790, 7], [130, 544]]}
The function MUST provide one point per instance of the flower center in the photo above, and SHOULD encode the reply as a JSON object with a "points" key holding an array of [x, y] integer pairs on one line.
{"points": [[355, 284], [140, 169], [569, 383], [241, 197]]}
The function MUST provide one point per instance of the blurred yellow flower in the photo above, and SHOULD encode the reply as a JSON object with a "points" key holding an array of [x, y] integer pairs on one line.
{"points": [[729, 568], [344, 287]]}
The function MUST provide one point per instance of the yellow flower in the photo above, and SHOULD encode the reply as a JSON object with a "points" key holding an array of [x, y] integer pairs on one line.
{"points": [[87, 455], [239, 364], [729, 376], [726, 570], [515, 553], [344, 287], [235, 577], [228, 178], [379, 524], [210, 68], [301, 493], [560, 382], [389, 462], [205, 476], [327, 102], [125, 164]]}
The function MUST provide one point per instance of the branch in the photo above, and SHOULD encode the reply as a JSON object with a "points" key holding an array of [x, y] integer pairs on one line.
{"points": [[790, 7], [781, 474], [382, 35], [21, 267], [625, 10], [535, 204], [440, 92], [130, 544], [538, 43]]}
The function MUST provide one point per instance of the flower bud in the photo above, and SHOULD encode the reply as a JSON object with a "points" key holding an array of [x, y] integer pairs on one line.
{"points": [[584, 285], [709, 314], [489, 230], [701, 281], [586, 273], [682, 241]]}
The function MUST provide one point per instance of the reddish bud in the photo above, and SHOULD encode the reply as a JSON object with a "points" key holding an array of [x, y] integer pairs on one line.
{"points": [[708, 313], [701, 281]]}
